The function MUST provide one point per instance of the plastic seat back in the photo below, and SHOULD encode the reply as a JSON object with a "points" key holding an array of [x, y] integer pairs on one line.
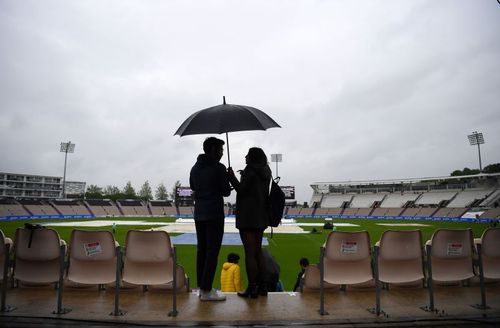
{"points": [[5, 247], [451, 255], [400, 256], [92, 257], [37, 255], [490, 251], [347, 258], [148, 258]]}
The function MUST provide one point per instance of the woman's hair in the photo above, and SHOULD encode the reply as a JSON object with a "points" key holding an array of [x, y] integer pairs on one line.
{"points": [[256, 156], [233, 258]]}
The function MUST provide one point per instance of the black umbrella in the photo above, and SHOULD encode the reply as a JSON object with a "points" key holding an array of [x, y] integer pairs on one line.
{"points": [[226, 118]]}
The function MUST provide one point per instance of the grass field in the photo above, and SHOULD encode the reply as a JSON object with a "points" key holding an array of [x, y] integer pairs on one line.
{"points": [[286, 248]]}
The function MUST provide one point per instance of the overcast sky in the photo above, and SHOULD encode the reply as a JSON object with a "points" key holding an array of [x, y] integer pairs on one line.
{"points": [[363, 90]]}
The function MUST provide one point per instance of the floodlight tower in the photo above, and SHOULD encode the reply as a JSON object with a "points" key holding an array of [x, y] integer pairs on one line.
{"points": [[276, 158], [66, 147], [477, 139]]}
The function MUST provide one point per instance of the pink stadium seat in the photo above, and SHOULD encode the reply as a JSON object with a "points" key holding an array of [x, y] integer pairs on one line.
{"points": [[150, 260], [488, 249], [39, 259], [345, 259], [398, 259], [449, 258], [94, 260], [5, 250]]}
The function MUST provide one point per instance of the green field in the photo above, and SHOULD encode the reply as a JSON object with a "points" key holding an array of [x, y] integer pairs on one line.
{"points": [[286, 248]]}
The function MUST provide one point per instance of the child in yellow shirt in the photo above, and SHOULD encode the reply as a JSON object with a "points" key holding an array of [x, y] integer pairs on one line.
{"points": [[230, 277]]}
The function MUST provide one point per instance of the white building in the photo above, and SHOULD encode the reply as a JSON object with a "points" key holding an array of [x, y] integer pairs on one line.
{"points": [[19, 185]]}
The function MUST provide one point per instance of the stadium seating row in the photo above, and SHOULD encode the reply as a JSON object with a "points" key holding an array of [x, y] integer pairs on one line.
{"points": [[98, 208], [444, 212], [398, 258], [93, 258], [451, 198]]}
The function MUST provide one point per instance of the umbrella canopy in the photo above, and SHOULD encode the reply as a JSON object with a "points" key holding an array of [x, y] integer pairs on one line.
{"points": [[226, 118]]}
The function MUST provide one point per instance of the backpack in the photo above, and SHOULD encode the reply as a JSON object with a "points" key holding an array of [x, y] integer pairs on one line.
{"points": [[276, 204]]}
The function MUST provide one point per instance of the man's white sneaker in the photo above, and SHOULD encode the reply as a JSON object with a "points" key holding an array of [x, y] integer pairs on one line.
{"points": [[212, 295]]}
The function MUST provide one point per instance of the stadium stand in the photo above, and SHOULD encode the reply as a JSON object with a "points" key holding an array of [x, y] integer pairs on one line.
{"points": [[435, 197], [9, 207], [350, 211], [316, 199], [468, 197], [411, 211], [103, 207], [293, 211], [381, 211], [70, 207], [321, 211], [186, 211], [162, 208], [426, 211], [335, 211], [448, 212], [336, 200], [493, 200], [306, 211], [38, 207], [492, 213], [367, 200], [364, 211], [398, 200], [132, 207]]}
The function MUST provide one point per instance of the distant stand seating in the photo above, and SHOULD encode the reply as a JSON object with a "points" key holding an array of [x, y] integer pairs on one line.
{"points": [[419, 211], [132, 207], [293, 211], [38, 207], [336, 200], [70, 207], [366, 200], [103, 207], [9, 207], [435, 198], [398, 200], [306, 211], [450, 212], [162, 208], [493, 213], [387, 211], [186, 211], [468, 197]]}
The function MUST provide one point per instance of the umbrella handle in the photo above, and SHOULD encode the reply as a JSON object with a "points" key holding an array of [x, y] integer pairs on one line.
{"points": [[228, 157]]}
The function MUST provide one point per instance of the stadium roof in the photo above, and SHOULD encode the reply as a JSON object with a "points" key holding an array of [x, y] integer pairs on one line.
{"points": [[319, 185]]}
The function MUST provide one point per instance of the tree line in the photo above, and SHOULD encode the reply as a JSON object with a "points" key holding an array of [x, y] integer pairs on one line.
{"points": [[128, 192], [492, 168]]}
